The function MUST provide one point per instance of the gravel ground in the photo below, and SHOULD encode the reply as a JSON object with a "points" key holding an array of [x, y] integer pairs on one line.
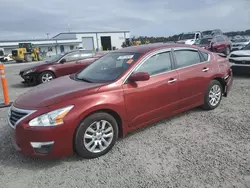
{"points": [[195, 149]]}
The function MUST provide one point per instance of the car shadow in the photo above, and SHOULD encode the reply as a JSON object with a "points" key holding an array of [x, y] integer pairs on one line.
{"points": [[21, 85]]}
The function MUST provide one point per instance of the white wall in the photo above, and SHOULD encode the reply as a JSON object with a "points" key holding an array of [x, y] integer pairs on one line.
{"points": [[116, 38]]}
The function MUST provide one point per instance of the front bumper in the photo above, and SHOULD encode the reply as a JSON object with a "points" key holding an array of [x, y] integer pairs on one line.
{"points": [[42, 142], [29, 78]]}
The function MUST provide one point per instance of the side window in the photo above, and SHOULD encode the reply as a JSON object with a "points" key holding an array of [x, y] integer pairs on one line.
{"points": [[156, 64], [186, 58], [205, 55], [72, 56]]}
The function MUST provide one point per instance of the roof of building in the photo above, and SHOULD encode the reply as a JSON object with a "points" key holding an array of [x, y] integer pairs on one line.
{"points": [[90, 32], [33, 40]]}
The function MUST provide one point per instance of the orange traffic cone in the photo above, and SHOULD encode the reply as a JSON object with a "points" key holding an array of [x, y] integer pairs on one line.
{"points": [[5, 88]]}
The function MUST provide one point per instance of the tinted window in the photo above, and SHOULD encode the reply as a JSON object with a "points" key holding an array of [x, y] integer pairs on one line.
{"points": [[109, 67], [205, 55], [156, 64], [219, 39], [186, 58], [72, 56]]}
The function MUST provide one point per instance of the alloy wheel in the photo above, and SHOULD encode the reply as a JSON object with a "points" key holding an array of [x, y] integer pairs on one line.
{"points": [[98, 136], [47, 77], [214, 95]]}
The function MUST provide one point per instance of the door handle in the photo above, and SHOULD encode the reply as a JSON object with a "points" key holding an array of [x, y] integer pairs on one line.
{"points": [[172, 81], [205, 69]]}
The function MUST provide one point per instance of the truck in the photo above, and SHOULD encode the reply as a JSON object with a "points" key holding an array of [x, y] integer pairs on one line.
{"points": [[189, 38], [25, 52]]}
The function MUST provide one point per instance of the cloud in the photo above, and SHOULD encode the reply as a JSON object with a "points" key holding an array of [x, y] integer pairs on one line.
{"points": [[28, 19]]}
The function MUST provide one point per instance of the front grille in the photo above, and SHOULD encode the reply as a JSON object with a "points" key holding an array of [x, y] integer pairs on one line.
{"points": [[16, 115]]}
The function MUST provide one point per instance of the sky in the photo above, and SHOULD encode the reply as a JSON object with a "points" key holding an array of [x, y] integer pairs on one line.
{"points": [[32, 19]]}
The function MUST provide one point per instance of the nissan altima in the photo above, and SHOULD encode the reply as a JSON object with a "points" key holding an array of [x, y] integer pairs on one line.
{"points": [[126, 89]]}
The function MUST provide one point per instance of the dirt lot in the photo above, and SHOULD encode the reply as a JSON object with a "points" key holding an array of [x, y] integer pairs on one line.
{"points": [[195, 149]]}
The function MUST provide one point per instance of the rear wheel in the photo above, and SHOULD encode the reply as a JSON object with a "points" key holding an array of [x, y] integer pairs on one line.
{"points": [[96, 135], [45, 77], [213, 95]]}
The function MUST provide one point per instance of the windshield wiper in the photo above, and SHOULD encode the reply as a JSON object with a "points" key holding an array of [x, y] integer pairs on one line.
{"points": [[83, 79]]}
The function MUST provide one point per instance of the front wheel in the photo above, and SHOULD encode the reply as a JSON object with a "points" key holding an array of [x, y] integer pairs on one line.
{"points": [[213, 95], [45, 77], [96, 135]]}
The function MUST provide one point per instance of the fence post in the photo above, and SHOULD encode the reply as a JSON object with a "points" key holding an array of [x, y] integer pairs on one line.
{"points": [[4, 88]]}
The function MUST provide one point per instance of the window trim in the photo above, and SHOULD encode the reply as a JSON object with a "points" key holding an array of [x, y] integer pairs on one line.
{"points": [[189, 49], [145, 58]]}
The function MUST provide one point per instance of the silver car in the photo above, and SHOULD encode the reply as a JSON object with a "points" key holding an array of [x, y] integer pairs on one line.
{"points": [[239, 43]]}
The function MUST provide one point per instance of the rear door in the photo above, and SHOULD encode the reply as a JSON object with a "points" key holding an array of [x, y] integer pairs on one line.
{"points": [[147, 101], [195, 71]]}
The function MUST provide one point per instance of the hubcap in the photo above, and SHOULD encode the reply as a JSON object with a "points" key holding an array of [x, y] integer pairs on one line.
{"points": [[98, 136], [47, 77], [215, 95]]}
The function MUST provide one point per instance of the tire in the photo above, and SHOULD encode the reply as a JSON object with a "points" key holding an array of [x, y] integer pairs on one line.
{"points": [[50, 76], [83, 143], [217, 88]]}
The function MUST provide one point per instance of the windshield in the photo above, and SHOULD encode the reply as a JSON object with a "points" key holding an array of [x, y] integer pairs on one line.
{"points": [[207, 32], [239, 40], [108, 68], [54, 58], [187, 36], [247, 47]]}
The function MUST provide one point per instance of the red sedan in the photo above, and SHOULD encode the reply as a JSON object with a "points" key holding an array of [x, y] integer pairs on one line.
{"points": [[59, 65], [218, 44], [118, 93]]}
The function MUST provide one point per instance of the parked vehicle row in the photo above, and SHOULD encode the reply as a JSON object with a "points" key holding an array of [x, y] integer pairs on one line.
{"points": [[239, 43], [119, 92], [59, 65]]}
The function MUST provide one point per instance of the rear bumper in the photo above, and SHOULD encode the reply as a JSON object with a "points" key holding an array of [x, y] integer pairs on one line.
{"points": [[229, 83]]}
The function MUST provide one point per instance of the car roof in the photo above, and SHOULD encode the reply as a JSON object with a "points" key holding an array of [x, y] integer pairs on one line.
{"points": [[145, 48]]}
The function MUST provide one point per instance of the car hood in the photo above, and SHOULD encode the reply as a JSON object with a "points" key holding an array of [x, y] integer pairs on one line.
{"points": [[241, 52], [239, 43], [55, 91], [36, 66]]}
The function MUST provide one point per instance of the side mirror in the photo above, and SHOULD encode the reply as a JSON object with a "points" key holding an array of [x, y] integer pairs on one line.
{"points": [[63, 61], [139, 76]]}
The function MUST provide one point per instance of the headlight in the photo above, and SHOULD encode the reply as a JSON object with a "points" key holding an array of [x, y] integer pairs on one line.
{"points": [[52, 118], [29, 71]]}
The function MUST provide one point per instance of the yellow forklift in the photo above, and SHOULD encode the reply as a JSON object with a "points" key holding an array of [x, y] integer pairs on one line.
{"points": [[25, 52]]}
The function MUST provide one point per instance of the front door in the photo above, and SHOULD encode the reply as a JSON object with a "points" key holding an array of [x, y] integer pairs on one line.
{"points": [[194, 71], [69, 66], [156, 98]]}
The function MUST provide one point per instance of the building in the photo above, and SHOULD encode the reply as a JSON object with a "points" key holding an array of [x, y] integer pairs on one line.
{"points": [[64, 42]]}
